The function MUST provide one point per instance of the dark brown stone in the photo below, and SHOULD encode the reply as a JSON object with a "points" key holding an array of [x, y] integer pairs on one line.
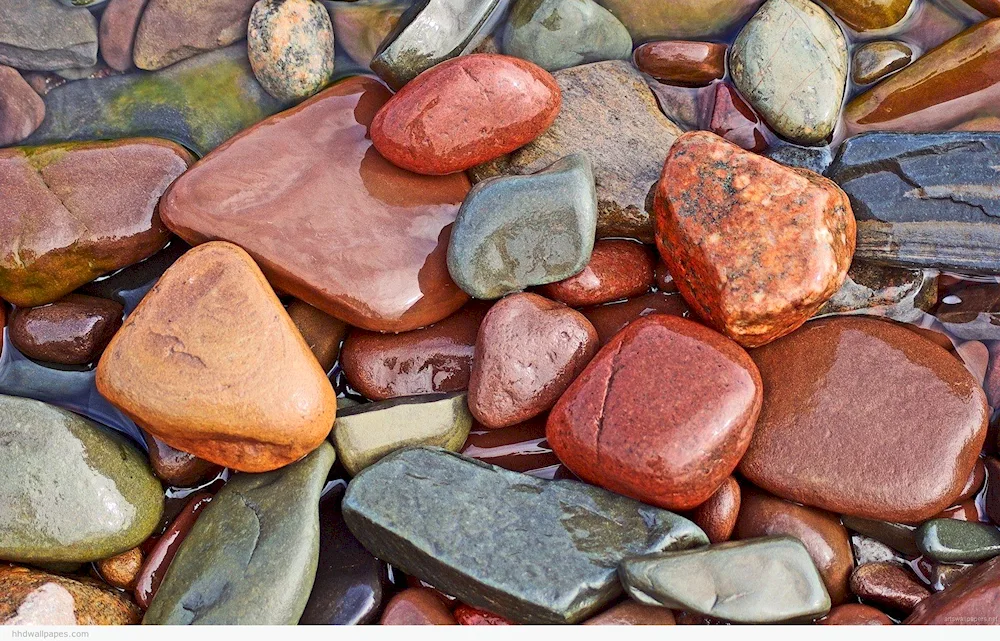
{"points": [[519, 448], [71, 331], [608, 320], [322, 332], [178, 468], [682, 62], [717, 516], [888, 585]]}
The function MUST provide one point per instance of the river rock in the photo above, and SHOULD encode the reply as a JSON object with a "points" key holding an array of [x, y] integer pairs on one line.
{"points": [[954, 541], [608, 320], [971, 600], [122, 570], [322, 332], [117, 32], [767, 580], [682, 62], [21, 109], [162, 553], [737, 122], [790, 62], [322, 191], [883, 290], [72, 491], [172, 30], [924, 200], [578, 532], [888, 585], [33, 598], [632, 613], [72, 331], [245, 393], [618, 269], [417, 606], [855, 614], [972, 312], [520, 448], [717, 516], [718, 209], [663, 413], [811, 448], [46, 35], [178, 468], [682, 19], [290, 46], [876, 60], [869, 15]]}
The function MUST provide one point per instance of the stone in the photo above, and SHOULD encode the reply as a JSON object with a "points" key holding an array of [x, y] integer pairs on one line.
{"points": [[177, 468], [434, 359], [971, 600], [684, 19], [972, 312], [251, 557], [417, 606], [520, 448], [993, 490], [577, 531], [618, 269], [737, 122], [812, 448], [986, 7], [45, 35], [855, 614], [961, 511], [924, 200], [898, 536], [72, 331], [466, 615], [632, 613], [198, 103], [958, 541], [465, 112], [609, 114], [162, 553], [290, 45], [246, 394], [116, 36], [685, 106], [869, 15], [883, 290], [432, 32], [71, 213], [323, 191], [608, 320], [322, 332], [528, 352], [888, 585], [72, 491], [984, 123], [790, 62], [944, 87], [513, 232], [21, 109], [717, 516], [173, 30], [122, 570], [977, 479], [365, 434], [876, 60], [556, 34], [768, 580], [361, 27], [718, 212], [33, 598], [820, 532], [682, 62], [816, 159], [662, 414]]}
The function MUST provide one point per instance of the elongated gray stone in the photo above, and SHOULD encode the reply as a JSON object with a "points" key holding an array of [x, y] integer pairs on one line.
{"points": [[530, 550], [251, 557], [767, 580], [44, 35], [954, 541]]}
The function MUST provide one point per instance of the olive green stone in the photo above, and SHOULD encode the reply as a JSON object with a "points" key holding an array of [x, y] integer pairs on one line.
{"points": [[898, 536], [363, 434], [767, 580], [70, 490], [680, 19], [876, 60], [531, 550], [251, 557], [954, 541]]}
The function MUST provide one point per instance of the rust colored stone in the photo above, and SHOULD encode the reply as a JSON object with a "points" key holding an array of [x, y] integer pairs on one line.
{"points": [[117, 33], [608, 320], [737, 122], [618, 269], [178, 468], [72, 331], [417, 606], [121, 571], [322, 332], [888, 585], [31, 597], [855, 614], [468, 615], [21, 109], [866, 15], [632, 613], [974, 599], [682, 62], [717, 516], [159, 557]]}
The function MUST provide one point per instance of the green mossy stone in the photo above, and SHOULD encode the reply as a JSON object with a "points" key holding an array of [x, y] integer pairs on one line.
{"points": [[954, 541]]}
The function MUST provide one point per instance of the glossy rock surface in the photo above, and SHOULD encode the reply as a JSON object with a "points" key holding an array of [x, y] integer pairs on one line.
{"points": [[162, 554], [875, 60], [867, 15], [682, 62], [618, 269], [955, 541], [717, 516], [72, 331], [610, 319], [972, 599]]}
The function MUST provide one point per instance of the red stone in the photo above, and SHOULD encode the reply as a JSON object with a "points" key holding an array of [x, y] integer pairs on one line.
{"points": [[737, 122], [662, 414], [682, 62], [975, 483], [468, 615], [888, 585], [855, 614], [632, 613], [417, 606], [519, 448], [974, 599], [117, 34], [464, 112], [608, 320], [755, 247], [618, 269], [21, 109], [717, 516]]}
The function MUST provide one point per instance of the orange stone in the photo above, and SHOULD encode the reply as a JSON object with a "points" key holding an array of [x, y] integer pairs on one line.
{"points": [[682, 62]]}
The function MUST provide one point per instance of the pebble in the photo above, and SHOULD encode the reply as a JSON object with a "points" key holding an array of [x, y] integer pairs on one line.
{"points": [[322, 332], [177, 468], [683, 19], [528, 352], [608, 320], [618, 269], [88, 221], [898, 536], [513, 232], [888, 585], [682, 62], [876, 60], [737, 122], [172, 30], [855, 614], [246, 394], [971, 600], [33, 598], [72, 490], [520, 448], [44, 35], [291, 47], [717, 516], [812, 448], [578, 533], [884, 290], [116, 36], [758, 284], [869, 15], [787, 46], [251, 557], [768, 580], [122, 570], [72, 331], [21, 109], [632, 613], [417, 606], [958, 541], [158, 561], [662, 414]]}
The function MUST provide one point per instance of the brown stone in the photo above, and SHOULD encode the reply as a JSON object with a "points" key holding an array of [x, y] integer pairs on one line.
{"points": [[876, 60], [417, 606], [519, 448], [717, 516], [855, 614], [210, 363], [323, 333], [618, 269], [117, 32], [901, 450], [121, 571], [468, 615], [608, 320], [528, 351], [737, 122], [21, 109], [632, 613], [868, 15], [975, 483], [71, 331], [888, 585], [682, 62], [974, 599], [177, 468], [685, 19], [31, 597], [755, 248], [165, 548], [172, 30], [993, 490]]}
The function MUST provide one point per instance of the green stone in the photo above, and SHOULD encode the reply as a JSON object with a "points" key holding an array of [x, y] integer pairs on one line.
{"points": [[531, 550], [251, 557], [363, 434], [766, 580], [70, 490], [898, 536], [954, 541]]}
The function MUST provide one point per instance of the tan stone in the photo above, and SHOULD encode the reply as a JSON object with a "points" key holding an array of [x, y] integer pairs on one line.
{"points": [[31, 597]]}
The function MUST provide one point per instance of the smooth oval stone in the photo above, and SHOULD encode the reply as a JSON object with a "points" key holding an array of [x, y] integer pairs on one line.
{"points": [[117, 32], [251, 557], [685, 19], [618, 269], [608, 320], [519, 448], [178, 468], [869, 15], [681, 62], [290, 44], [395, 510], [888, 585], [717, 516], [811, 447], [883, 290], [556, 34], [663, 413], [43, 35], [366, 433], [898, 536], [322, 332], [632, 613], [89, 219], [876, 60], [972, 599], [21, 109], [172, 30], [465, 112], [165, 549], [320, 212], [954, 541], [788, 45], [72, 331], [417, 606], [855, 614], [33, 598], [71, 490], [768, 580], [513, 232], [122, 570]]}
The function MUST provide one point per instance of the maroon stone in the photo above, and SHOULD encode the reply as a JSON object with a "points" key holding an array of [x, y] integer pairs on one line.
{"points": [[178, 468], [888, 585], [21, 109], [468, 615], [717, 516], [519, 448], [608, 320], [159, 558], [117, 33], [855, 614], [618, 269], [417, 606], [71, 331], [737, 122]]}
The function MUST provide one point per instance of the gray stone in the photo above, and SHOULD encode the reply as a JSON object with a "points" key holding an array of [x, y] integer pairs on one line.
{"points": [[898, 536], [44, 35], [71, 490], [530, 550], [556, 34], [767, 580], [883, 290], [291, 48], [790, 63], [816, 159], [513, 232], [251, 557], [954, 541]]}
